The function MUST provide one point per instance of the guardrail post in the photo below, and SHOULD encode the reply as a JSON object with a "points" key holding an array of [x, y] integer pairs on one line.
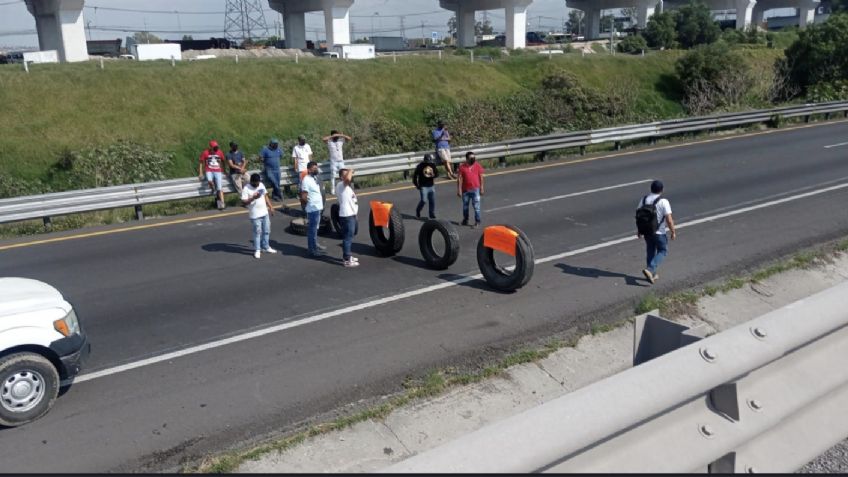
{"points": [[845, 113], [502, 162], [540, 156], [807, 118], [582, 150], [826, 116], [406, 175], [48, 225], [287, 189], [139, 212], [617, 145], [653, 140]]}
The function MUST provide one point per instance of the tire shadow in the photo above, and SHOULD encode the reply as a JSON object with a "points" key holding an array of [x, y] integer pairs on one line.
{"points": [[598, 273], [228, 248], [477, 284], [411, 261]]}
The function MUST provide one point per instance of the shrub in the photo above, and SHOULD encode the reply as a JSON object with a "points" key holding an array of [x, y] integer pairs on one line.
{"points": [[634, 44], [695, 25], [661, 31], [713, 76], [820, 55], [123, 162]]}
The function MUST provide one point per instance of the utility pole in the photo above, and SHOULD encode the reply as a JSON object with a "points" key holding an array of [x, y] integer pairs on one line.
{"points": [[423, 38], [402, 28]]}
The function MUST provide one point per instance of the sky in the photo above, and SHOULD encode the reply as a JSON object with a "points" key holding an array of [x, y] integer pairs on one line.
{"points": [[205, 18]]}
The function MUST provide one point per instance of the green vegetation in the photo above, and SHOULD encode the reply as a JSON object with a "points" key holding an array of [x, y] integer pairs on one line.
{"points": [[817, 64], [634, 44]]}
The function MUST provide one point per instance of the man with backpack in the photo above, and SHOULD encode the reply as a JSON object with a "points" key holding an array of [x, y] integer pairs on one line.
{"points": [[654, 221]]}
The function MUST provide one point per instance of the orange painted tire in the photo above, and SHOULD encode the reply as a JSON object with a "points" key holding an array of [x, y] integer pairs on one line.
{"points": [[500, 278]]}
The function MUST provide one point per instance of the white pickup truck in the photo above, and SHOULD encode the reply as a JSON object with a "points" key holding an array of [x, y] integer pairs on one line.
{"points": [[41, 345]]}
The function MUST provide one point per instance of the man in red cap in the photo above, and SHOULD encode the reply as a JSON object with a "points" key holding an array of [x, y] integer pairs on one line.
{"points": [[212, 163]]}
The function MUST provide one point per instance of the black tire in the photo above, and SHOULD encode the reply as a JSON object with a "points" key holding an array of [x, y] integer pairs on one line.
{"points": [[334, 219], [387, 244], [425, 242], [298, 226], [324, 227], [39, 375], [500, 278]]}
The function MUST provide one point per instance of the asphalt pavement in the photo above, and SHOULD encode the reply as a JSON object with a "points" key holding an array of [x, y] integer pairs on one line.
{"points": [[197, 346]]}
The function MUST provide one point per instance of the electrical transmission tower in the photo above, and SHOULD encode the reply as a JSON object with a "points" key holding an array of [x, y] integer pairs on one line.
{"points": [[245, 20]]}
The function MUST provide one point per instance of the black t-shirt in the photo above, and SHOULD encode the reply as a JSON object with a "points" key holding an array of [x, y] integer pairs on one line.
{"points": [[424, 174]]}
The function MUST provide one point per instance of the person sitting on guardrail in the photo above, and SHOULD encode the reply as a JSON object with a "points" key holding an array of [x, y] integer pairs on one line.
{"points": [[335, 142], [348, 208], [271, 158], [313, 204], [654, 221], [238, 167], [469, 186], [425, 173], [254, 196], [212, 167], [442, 138]]}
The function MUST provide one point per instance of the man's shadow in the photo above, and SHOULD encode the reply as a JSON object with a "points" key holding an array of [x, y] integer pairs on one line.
{"points": [[228, 248], [597, 273]]}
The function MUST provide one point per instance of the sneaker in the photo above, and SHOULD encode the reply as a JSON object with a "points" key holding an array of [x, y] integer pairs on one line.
{"points": [[417, 214], [656, 276], [354, 259], [476, 224], [464, 222], [321, 247], [256, 254], [270, 250], [648, 275], [350, 264], [433, 217]]}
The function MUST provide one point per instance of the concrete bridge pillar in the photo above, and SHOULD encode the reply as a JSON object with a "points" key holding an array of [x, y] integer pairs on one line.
{"points": [[806, 13], [336, 20], [61, 27], [744, 13], [516, 23], [757, 16], [465, 25], [645, 10], [593, 23]]}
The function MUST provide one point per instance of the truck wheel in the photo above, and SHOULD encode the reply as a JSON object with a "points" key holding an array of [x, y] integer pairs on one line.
{"points": [[449, 235], [29, 384]]}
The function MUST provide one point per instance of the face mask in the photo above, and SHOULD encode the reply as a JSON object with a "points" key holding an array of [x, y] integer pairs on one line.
{"points": [[314, 173]]}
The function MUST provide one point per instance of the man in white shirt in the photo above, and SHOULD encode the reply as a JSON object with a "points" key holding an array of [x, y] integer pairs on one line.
{"points": [[657, 241], [301, 156], [254, 196], [335, 142], [310, 198], [348, 208]]}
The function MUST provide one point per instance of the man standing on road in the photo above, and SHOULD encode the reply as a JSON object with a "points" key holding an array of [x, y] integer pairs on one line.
{"points": [[310, 198], [238, 167], [271, 158], [212, 164], [335, 141], [254, 196], [348, 208], [469, 186], [301, 156], [654, 221], [442, 138], [425, 173]]}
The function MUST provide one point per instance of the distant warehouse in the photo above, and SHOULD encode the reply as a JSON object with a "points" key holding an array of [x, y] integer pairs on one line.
{"points": [[389, 43], [104, 47]]}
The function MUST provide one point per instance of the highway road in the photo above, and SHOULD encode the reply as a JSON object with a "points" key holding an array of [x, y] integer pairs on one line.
{"points": [[197, 346]]}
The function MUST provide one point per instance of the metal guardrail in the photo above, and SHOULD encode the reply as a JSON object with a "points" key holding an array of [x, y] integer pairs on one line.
{"points": [[765, 396], [137, 195]]}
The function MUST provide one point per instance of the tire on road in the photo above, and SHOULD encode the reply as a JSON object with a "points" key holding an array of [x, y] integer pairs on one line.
{"points": [[334, 219], [29, 385], [451, 238], [387, 240], [498, 277], [299, 226]]}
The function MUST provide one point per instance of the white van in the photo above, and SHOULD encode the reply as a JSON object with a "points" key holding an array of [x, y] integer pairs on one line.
{"points": [[41, 345]]}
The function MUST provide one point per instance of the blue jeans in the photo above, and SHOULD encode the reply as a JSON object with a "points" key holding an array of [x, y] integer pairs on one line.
{"points": [[427, 194], [273, 176], [657, 248], [472, 195], [261, 232], [349, 226], [314, 220]]}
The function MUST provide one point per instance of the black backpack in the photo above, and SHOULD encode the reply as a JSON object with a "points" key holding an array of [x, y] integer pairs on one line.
{"points": [[646, 217]]}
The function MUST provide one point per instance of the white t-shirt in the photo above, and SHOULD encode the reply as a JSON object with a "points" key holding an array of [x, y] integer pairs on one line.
{"points": [[663, 209], [258, 208], [336, 153], [313, 190], [301, 155], [348, 206]]}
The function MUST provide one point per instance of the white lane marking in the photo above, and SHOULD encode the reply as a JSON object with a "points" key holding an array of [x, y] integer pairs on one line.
{"points": [[420, 291], [837, 145], [565, 196]]}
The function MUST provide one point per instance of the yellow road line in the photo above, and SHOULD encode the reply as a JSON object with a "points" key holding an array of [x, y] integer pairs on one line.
{"points": [[409, 187]]}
